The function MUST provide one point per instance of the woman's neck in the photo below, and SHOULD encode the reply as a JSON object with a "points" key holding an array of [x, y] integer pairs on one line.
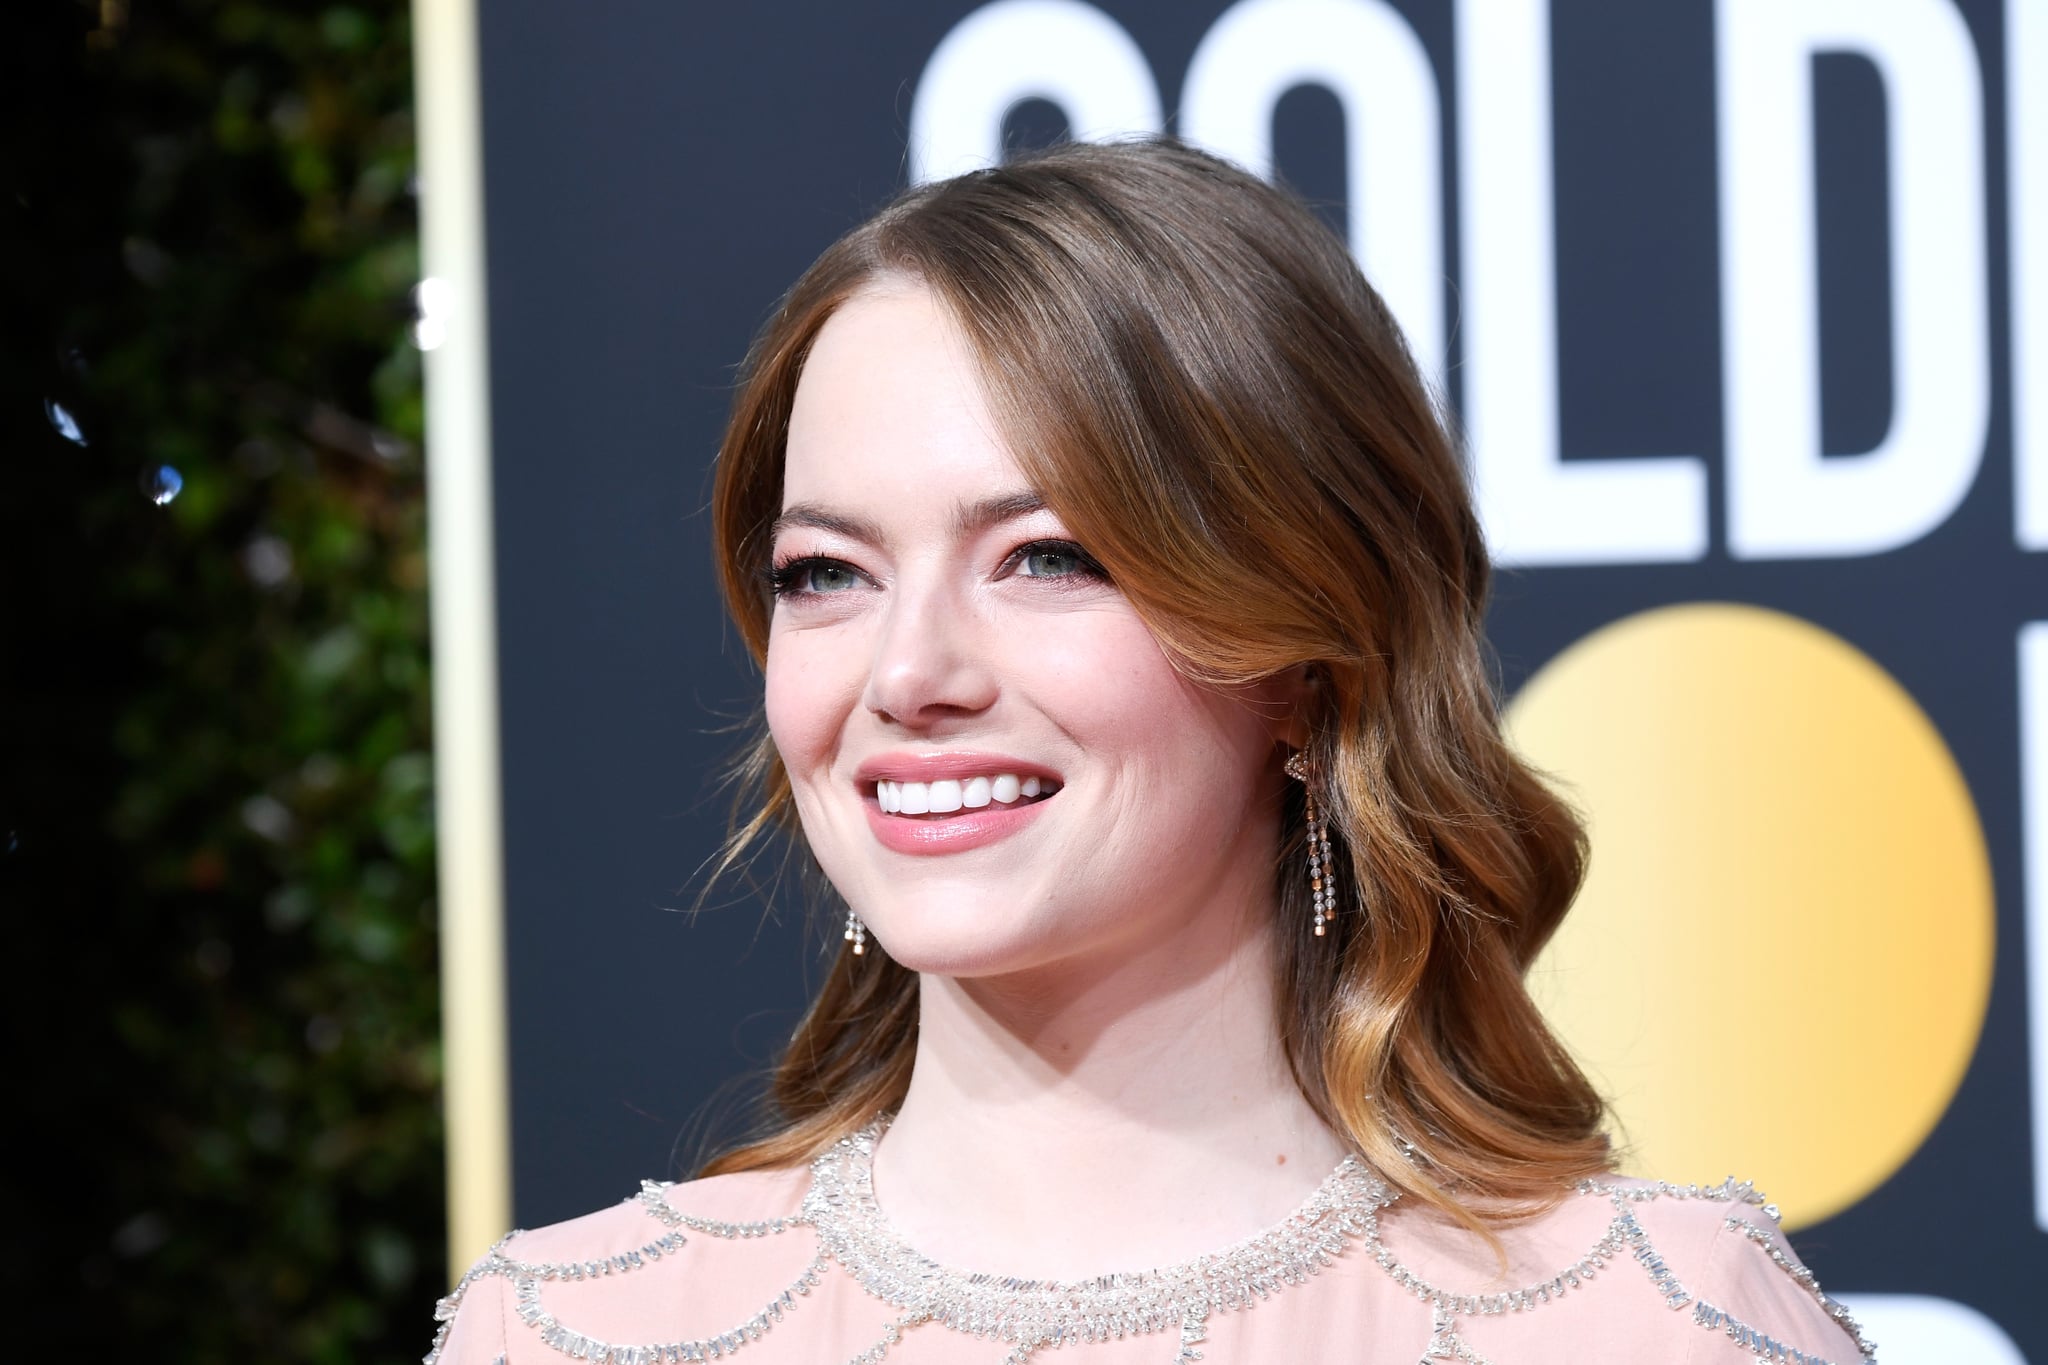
{"points": [[1114, 1115]]}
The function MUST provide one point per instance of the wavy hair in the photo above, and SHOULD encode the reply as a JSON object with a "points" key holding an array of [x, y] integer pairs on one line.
{"points": [[1191, 369]]}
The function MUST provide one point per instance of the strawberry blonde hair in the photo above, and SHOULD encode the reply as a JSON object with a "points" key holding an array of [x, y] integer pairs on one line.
{"points": [[1197, 379]]}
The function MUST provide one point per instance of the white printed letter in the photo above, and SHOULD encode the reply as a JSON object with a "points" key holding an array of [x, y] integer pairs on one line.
{"points": [[1368, 56], [1783, 498], [2026, 190], [1004, 53], [1537, 508], [2034, 872]]}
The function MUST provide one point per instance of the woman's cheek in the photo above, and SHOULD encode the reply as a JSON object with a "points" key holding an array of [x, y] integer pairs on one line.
{"points": [[1126, 694], [1111, 678], [805, 704]]}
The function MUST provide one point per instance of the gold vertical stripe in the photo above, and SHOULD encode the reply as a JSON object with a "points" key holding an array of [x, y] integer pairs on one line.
{"points": [[467, 797]]}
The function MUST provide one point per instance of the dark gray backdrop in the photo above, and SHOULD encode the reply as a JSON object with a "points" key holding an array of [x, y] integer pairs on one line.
{"points": [[656, 174]]}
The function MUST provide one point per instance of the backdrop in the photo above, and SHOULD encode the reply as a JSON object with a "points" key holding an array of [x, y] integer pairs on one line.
{"points": [[1740, 305]]}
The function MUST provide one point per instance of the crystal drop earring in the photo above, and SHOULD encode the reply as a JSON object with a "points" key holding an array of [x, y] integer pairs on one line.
{"points": [[1322, 875], [857, 933]]}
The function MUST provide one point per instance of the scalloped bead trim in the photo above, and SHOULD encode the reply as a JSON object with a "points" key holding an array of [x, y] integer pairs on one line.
{"points": [[1036, 1315]]}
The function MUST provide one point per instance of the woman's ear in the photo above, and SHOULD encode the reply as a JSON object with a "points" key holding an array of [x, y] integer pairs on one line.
{"points": [[1289, 701]]}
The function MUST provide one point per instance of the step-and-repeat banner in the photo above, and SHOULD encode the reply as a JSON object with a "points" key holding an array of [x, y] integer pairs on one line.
{"points": [[1743, 305]]}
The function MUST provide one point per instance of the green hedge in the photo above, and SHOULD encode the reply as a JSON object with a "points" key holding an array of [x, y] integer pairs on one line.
{"points": [[217, 830]]}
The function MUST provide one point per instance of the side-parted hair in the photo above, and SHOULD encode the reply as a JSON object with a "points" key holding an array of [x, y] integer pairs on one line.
{"points": [[1189, 367]]}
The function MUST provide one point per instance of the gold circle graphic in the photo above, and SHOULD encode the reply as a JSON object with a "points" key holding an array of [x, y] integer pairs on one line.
{"points": [[1780, 962]]}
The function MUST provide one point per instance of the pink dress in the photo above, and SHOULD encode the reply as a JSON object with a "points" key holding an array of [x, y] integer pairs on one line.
{"points": [[779, 1267]]}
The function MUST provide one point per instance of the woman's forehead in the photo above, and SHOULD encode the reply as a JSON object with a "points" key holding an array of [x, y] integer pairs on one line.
{"points": [[890, 408]]}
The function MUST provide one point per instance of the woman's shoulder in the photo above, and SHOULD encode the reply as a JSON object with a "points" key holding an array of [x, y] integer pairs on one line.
{"points": [[1720, 1255], [1699, 1273], [601, 1248], [1719, 1260], [714, 1204]]}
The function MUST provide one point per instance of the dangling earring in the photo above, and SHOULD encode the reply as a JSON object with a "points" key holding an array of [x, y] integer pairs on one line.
{"points": [[1322, 875], [857, 933]]}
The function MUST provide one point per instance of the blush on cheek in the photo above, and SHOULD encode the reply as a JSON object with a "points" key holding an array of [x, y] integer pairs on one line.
{"points": [[794, 720], [1101, 673], [1178, 722], [809, 693]]}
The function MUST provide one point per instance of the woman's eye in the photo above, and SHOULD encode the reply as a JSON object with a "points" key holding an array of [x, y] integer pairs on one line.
{"points": [[1054, 560], [812, 577], [827, 578]]}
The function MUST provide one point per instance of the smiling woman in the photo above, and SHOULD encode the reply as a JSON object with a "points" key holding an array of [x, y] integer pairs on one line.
{"points": [[1118, 595], [967, 640]]}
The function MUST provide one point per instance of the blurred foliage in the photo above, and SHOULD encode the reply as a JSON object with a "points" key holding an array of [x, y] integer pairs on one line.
{"points": [[216, 848]]}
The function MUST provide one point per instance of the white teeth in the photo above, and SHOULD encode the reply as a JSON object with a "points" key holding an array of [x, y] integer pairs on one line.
{"points": [[950, 794]]}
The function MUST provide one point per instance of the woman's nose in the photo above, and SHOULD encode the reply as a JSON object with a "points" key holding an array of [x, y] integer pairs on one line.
{"points": [[930, 664]]}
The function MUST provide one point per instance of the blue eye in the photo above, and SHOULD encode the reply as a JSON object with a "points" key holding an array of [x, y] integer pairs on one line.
{"points": [[812, 577], [1054, 559], [827, 577]]}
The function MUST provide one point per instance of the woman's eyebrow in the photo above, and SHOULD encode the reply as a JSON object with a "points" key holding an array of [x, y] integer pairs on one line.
{"points": [[971, 519], [821, 518], [979, 516]]}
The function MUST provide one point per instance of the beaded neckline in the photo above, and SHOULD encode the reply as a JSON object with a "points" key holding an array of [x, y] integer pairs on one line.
{"points": [[1031, 1314], [1035, 1315]]}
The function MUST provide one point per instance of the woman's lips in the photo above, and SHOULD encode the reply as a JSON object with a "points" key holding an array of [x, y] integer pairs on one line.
{"points": [[928, 766], [968, 792], [954, 832], [950, 800]]}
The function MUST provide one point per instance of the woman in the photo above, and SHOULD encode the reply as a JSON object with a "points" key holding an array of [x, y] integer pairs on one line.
{"points": [[1119, 599]]}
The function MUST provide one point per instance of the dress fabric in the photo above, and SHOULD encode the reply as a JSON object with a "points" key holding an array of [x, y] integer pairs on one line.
{"points": [[1704, 1276]]}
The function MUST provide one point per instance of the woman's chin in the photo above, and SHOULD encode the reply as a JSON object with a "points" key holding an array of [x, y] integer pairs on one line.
{"points": [[964, 943]]}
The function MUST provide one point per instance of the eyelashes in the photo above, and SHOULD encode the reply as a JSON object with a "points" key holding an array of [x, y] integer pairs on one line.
{"points": [[793, 577], [1057, 564], [1060, 559]]}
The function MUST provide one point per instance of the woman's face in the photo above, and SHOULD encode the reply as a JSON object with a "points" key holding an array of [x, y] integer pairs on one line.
{"points": [[941, 650]]}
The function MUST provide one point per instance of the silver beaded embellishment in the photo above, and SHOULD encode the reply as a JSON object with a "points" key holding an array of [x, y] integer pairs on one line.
{"points": [[493, 1263], [1034, 1315], [1446, 1308], [1761, 1345], [1804, 1278], [653, 1197], [527, 1277], [1444, 1341], [526, 1302], [1729, 1191], [1322, 874], [891, 1334], [856, 933], [1625, 1237]]}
